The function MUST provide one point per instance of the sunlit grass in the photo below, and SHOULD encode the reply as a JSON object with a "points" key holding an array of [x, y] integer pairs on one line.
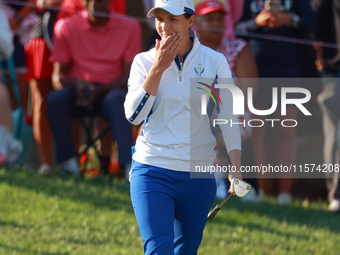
{"points": [[47, 215]]}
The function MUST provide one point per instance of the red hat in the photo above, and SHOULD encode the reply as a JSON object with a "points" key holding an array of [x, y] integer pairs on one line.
{"points": [[205, 7]]}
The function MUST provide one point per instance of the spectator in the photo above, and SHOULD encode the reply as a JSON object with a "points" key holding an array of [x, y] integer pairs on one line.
{"points": [[234, 14], [10, 148], [328, 16], [276, 59], [21, 18], [211, 23], [70, 7], [91, 69], [6, 38], [39, 76]]}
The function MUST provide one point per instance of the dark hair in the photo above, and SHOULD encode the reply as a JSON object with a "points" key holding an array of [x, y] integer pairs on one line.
{"points": [[187, 15]]}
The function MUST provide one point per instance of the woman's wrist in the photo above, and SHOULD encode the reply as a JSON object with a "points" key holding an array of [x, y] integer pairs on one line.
{"points": [[157, 69], [151, 83]]}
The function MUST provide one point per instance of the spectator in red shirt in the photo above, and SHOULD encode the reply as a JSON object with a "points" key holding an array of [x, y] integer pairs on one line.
{"points": [[92, 58], [69, 7]]}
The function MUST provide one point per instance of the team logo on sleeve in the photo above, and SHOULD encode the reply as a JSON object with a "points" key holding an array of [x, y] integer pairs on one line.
{"points": [[199, 70]]}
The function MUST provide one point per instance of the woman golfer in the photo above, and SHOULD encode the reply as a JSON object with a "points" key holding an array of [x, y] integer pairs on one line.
{"points": [[171, 207]]}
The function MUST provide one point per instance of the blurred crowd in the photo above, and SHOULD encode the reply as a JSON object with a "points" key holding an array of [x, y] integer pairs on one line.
{"points": [[76, 57]]}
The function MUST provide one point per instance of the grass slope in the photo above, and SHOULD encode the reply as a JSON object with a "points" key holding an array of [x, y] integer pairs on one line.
{"points": [[48, 216]]}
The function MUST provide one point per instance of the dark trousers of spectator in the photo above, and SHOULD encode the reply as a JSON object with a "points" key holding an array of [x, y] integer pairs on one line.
{"points": [[331, 130], [62, 109]]}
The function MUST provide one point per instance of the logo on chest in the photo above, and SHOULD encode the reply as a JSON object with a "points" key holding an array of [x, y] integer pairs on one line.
{"points": [[199, 70]]}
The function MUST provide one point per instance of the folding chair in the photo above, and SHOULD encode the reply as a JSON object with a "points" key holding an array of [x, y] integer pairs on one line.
{"points": [[88, 124]]}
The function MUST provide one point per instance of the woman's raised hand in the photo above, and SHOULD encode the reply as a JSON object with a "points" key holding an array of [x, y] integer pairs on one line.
{"points": [[166, 51]]}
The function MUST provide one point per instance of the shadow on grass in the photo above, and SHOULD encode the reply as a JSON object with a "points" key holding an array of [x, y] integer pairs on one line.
{"points": [[315, 218], [95, 191], [256, 227], [12, 249], [116, 197], [13, 224]]}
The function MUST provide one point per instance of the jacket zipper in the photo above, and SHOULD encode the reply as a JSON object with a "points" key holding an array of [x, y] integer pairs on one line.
{"points": [[180, 71]]}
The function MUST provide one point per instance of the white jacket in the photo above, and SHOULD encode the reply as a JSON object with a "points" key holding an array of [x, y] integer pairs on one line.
{"points": [[175, 134]]}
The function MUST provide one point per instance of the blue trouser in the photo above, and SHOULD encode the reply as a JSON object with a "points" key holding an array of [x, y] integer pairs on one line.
{"points": [[171, 208], [62, 109]]}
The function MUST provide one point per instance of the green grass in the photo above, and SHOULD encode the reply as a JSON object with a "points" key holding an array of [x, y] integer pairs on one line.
{"points": [[46, 215]]}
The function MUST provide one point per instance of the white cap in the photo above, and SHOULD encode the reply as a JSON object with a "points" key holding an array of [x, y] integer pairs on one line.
{"points": [[175, 7]]}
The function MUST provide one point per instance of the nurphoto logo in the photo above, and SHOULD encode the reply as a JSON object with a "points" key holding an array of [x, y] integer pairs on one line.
{"points": [[239, 102]]}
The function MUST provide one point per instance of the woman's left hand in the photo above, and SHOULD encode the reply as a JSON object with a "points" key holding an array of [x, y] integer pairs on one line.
{"points": [[237, 175], [166, 51]]}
